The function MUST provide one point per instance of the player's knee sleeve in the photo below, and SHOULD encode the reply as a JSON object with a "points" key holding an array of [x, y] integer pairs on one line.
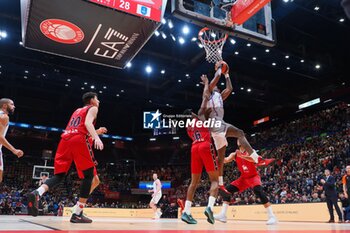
{"points": [[86, 182], [55, 180], [259, 192], [225, 196]]}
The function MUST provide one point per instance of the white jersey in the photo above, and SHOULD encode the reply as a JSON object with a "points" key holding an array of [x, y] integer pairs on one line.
{"points": [[4, 134], [155, 187], [217, 105]]}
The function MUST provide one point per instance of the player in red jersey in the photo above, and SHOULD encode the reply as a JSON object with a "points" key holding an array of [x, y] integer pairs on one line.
{"points": [[202, 154], [75, 145], [249, 178]]}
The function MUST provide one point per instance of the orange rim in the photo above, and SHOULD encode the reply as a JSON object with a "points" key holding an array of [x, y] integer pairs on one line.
{"points": [[201, 32]]}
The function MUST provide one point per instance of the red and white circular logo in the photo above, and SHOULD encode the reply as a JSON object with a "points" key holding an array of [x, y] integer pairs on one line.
{"points": [[61, 31]]}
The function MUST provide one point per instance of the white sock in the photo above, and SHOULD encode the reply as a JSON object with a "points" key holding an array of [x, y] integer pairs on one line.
{"points": [[188, 205], [221, 180], [211, 202], [270, 212], [79, 207], [254, 156], [224, 209], [41, 191]]}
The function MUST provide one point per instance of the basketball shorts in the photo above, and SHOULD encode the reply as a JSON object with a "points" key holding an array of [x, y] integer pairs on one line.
{"points": [[1, 161], [219, 134], [203, 154], [77, 148], [155, 199], [243, 183]]}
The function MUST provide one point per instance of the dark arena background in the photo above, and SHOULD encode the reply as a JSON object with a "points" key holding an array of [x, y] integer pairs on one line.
{"points": [[289, 67]]}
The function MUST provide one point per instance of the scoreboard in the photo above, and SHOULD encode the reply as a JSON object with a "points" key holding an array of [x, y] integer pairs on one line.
{"points": [[150, 9]]}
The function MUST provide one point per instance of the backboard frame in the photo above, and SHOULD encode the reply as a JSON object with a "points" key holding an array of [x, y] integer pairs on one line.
{"points": [[179, 11]]}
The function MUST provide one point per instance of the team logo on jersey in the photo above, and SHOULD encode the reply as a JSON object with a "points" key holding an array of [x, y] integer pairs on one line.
{"points": [[61, 31], [151, 120]]}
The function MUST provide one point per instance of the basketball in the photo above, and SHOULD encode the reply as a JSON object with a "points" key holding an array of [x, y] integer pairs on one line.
{"points": [[223, 65]]}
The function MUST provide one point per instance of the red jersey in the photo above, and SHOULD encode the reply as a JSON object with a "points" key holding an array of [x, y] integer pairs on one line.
{"points": [[76, 124], [247, 168], [198, 134]]}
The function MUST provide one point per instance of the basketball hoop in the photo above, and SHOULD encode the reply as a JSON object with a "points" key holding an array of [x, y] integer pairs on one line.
{"points": [[213, 43]]}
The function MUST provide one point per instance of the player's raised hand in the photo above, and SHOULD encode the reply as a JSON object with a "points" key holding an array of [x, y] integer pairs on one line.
{"points": [[204, 79], [18, 153], [98, 144]]}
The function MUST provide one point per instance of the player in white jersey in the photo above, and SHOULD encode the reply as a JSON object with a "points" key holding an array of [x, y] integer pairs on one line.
{"points": [[216, 104], [156, 196], [7, 107]]}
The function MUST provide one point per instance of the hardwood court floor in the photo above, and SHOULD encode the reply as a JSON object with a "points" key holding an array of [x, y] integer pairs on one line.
{"points": [[28, 224]]}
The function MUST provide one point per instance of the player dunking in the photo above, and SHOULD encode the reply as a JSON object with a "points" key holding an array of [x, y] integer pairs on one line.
{"points": [[249, 178], [156, 195], [216, 103], [202, 154], [7, 107], [75, 145]]}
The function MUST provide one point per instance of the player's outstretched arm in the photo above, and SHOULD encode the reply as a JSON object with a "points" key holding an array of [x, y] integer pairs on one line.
{"points": [[215, 80], [230, 158], [4, 120], [90, 117], [205, 97], [228, 90]]}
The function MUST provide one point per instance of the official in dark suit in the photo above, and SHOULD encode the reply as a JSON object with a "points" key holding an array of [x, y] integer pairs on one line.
{"points": [[331, 196]]}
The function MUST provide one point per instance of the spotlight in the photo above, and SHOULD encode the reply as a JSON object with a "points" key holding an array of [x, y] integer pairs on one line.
{"points": [[163, 35], [185, 30], [148, 69], [181, 40], [170, 24]]}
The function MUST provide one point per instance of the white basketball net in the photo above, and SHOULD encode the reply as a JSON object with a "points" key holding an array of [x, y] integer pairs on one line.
{"points": [[213, 43]]}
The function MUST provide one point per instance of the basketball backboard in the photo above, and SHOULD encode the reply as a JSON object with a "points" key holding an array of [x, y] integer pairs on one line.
{"points": [[39, 171], [260, 28]]}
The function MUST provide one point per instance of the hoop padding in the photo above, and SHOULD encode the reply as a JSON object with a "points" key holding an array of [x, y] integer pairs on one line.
{"points": [[213, 43]]}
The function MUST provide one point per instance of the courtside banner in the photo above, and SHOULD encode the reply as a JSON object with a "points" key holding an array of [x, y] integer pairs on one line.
{"points": [[84, 30]]}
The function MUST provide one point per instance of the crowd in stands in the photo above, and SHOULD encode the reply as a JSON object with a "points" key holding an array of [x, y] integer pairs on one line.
{"points": [[303, 149]]}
